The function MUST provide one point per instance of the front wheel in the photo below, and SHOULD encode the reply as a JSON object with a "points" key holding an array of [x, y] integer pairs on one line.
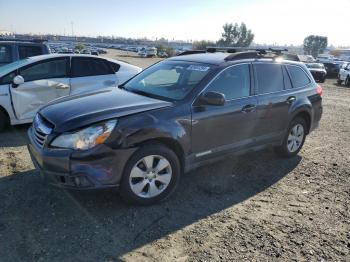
{"points": [[294, 139], [150, 175]]}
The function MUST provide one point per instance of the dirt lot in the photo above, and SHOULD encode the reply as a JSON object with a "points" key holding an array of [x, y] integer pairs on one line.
{"points": [[131, 57], [255, 207]]}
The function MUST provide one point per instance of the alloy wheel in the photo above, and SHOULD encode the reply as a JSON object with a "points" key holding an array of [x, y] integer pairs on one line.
{"points": [[295, 138]]}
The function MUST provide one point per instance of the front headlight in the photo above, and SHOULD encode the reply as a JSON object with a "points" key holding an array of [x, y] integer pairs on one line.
{"points": [[85, 138]]}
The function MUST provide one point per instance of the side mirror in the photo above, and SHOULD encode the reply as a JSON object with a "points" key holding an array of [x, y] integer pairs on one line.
{"points": [[212, 98], [17, 80]]}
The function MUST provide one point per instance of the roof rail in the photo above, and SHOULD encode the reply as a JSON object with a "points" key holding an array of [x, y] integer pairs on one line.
{"points": [[213, 49], [191, 52], [34, 40]]}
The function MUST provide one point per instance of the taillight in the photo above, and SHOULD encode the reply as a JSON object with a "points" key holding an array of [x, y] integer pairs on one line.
{"points": [[319, 90]]}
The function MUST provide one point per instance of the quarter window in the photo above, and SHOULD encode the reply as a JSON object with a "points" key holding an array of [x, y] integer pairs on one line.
{"points": [[233, 82], [90, 67], [269, 78], [27, 51], [7, 79], [286, 79], [299, 77], [114, 66], [56, 68]]}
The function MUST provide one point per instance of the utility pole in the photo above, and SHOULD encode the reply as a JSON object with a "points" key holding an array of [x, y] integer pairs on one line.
{"points": [[72, 24]]}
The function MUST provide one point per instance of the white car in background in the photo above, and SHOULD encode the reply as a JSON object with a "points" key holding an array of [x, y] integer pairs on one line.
{"points": [[29, 84], [344, 74]]}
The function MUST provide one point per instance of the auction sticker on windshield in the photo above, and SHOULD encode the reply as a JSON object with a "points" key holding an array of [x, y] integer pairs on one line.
{"points": [[198, 68]]}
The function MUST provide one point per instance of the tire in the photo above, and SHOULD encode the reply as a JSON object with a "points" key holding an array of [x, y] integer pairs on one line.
{"points": [[287, 149], [4, 121], [347, 81], [322, 80], [142, 184]]}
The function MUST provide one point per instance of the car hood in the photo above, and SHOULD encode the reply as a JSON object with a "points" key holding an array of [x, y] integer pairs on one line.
{"points": [[73, 112]]}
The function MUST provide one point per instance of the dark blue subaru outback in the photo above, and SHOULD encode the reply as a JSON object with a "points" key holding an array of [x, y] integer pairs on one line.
{"points": [[175, 116]]}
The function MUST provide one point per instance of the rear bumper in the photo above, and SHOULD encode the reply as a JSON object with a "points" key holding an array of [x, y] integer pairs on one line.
{"points": [[100, 167]]}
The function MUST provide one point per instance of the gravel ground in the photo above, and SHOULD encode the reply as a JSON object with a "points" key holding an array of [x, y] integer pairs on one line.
{"points": [[255, 207]]}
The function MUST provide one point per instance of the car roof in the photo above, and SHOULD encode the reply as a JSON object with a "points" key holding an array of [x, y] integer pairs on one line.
{"points": [[33, 59], [219, 58]]}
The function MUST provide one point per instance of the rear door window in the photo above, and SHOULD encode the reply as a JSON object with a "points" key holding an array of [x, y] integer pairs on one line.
{"points": [[299, 77], [83, 66], [29, 50], [269, 78], [5, 54], [54, 68]]}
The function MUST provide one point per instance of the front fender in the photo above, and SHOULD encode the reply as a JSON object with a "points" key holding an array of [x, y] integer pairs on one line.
{"points": [[168, 123]]}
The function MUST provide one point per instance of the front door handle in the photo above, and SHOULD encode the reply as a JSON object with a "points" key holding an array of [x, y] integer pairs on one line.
{"points": [[290, 99], [248, 108], [61, 86]]}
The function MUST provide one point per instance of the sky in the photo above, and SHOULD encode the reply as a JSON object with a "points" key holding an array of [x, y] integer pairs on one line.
{"points": [[272, 21]]}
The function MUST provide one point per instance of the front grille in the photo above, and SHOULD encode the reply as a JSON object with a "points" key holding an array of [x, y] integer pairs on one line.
{"points": [[39, 137], [41, 129]]}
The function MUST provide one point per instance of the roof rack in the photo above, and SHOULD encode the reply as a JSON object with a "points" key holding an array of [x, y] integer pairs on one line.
{"points": [[213, 49], [247, 53], [34, 40]]}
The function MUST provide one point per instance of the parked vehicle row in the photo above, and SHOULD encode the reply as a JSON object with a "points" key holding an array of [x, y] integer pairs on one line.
{"points": [[174, 116], [28, 84]]}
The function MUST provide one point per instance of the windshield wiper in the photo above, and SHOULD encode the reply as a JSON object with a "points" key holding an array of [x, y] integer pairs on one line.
{"points": [[140, 92]]}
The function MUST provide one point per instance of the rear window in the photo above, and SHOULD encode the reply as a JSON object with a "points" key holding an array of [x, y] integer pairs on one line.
{"points": [[269, 78], [29, 50], [90, 67], [5, 54], [299, 77]]}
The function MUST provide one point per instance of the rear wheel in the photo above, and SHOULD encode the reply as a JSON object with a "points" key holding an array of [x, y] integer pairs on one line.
{"points": [[4, 121], [294, 139], [339, 81], [347, 81], [150, 175]]}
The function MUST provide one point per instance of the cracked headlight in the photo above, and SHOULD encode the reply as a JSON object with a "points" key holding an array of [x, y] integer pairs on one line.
{"points": [[85, 138]]}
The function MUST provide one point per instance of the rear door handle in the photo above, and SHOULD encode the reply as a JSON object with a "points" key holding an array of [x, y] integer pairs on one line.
{"points": [[248, 108], [291, 99]]}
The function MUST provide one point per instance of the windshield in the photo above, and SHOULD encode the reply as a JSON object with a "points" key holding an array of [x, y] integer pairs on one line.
{"points": [[171, 80], [320, 66]]}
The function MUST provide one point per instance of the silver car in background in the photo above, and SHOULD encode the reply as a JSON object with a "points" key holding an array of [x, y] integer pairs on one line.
{"points": [[29, 84]]}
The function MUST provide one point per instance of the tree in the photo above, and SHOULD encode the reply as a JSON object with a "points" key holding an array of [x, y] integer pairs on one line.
{"points": [[79, 46], [236, 35], [202, 45], [315, 44]]}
